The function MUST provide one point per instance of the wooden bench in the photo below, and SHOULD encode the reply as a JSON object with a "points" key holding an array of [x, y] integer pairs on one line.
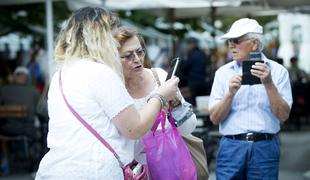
{"points": [[15, 112]]}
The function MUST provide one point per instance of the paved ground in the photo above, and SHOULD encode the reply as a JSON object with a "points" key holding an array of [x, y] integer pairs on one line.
{"points": [[295, 158]]}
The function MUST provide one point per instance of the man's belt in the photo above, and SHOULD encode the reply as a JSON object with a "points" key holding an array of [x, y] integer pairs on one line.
{"points": [[251, 136]]}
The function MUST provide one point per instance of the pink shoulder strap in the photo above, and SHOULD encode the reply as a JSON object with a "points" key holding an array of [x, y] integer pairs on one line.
{"points": [[91, 129]]}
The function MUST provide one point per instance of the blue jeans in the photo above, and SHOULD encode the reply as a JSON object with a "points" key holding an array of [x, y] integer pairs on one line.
{"points": [[238, 159]]}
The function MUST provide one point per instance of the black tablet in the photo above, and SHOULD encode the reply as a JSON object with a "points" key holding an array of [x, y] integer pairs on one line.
{"points": [[247, 77]]}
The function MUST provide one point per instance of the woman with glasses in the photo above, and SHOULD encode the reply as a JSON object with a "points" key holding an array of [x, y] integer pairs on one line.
{"points": [[89, 86], [141, 82]]}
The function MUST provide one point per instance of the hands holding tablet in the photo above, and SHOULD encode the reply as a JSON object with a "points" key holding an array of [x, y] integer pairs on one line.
{"points": [[234, 84], [261, 71], [255, 71]]}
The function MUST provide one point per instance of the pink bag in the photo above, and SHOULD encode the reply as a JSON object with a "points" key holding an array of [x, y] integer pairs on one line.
{"points": [[166, 153]]}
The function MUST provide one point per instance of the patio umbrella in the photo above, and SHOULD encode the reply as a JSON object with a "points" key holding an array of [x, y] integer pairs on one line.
{"points": [[182, 8], [173, 9]]}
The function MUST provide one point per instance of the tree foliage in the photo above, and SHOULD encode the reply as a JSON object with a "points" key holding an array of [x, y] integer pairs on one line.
{"points": [[20, 17]]}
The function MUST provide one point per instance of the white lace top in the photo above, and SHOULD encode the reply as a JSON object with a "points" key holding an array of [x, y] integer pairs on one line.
{"points": [[98, 95]]}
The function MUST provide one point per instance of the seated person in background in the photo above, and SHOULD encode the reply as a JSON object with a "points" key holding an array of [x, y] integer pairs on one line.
{"points": [[20, 93], [141, 82]]}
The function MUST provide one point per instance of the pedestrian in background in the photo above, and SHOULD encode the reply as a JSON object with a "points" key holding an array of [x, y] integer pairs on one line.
{"points": [[193, 69]]}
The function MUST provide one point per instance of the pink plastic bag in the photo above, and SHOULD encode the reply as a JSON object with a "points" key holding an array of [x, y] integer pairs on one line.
{"points": [[166, 153]]}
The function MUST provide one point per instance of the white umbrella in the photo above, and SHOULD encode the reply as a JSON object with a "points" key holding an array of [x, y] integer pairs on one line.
{"points": [[175, 4], [182, 8], [173, 8]]}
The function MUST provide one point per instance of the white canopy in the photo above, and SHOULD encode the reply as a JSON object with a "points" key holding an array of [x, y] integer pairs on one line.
{"points": [[175, 4], [181, 8]]}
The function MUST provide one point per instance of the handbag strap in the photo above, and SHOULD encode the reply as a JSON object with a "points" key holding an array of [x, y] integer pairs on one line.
{"points": [[160, 119], [156, 76], [91, 129], [161, 116], [170, 118]]}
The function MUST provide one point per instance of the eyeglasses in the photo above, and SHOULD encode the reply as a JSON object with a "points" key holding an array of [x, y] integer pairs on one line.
{"points": [[132, 55], [237, 40]]}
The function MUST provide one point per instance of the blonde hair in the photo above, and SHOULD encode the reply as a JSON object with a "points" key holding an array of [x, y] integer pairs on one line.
{"points": [[87, 34]]}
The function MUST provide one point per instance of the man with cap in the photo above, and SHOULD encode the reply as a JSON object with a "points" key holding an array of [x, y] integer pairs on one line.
{"points": [[249, 116]]}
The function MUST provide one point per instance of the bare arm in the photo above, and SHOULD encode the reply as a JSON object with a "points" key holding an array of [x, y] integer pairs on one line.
{"points": [[220, 111], [278, 105], [133, 123]]}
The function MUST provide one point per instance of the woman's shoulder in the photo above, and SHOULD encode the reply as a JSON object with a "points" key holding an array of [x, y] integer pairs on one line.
{"points": [[93, 66], [85, 70], [95, 69]]}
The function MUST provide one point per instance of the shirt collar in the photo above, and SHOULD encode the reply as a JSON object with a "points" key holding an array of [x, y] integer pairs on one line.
{"points": [[236, 65]]}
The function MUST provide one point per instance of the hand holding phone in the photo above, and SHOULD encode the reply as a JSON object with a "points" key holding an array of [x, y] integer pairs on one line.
{"points": [[174, 67]]}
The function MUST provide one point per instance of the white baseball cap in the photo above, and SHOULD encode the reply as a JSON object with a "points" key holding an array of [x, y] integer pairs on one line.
{"points": [[242, 27]]}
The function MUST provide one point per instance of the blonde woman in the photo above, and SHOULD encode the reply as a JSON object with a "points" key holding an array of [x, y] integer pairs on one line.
{"points": [[92, 82]]}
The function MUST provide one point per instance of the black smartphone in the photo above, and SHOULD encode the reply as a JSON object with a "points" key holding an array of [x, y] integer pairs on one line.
{"points": [[247, 77], [174, 67]]}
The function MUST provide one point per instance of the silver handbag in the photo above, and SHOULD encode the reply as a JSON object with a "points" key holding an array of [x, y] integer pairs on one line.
{"points": [[182, 112]]}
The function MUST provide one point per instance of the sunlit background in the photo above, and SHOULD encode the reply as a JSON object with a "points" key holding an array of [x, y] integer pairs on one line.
{"points": [[28, 26]]}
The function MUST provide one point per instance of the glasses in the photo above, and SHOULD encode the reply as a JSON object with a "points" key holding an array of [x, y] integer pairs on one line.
{"points": [[132, 55], [237, 40]]}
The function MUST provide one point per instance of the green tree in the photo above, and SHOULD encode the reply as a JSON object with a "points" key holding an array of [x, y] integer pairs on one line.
{"points": [[21, 17]]}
